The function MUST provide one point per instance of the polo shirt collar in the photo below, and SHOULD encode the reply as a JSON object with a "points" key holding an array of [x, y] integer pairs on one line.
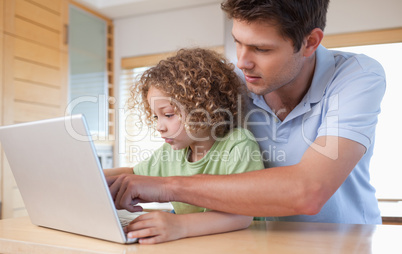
{"points": [[324, 71], [259, 101]]}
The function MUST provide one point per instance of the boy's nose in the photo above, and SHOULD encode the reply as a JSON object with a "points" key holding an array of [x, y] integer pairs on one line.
{"points": [[160, 126]]}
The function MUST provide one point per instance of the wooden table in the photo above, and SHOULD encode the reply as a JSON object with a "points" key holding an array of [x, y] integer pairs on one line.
{"points": [[20, 236]]}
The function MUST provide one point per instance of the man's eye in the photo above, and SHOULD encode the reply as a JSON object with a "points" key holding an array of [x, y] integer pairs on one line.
{"points": [[261, 50]]}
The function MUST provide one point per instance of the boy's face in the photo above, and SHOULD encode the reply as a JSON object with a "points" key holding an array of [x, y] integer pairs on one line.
{"points": [[267, 59], [169, 124]]}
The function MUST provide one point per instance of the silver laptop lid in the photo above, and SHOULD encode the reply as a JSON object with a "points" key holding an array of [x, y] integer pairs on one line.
{"points": [[60, 178]]}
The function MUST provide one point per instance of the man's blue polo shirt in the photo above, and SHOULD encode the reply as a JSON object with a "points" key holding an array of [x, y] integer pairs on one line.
{"points": [[343, 100]]}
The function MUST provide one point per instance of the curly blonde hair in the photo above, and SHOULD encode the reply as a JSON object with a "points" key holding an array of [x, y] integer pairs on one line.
{"points": [[202, 86]]}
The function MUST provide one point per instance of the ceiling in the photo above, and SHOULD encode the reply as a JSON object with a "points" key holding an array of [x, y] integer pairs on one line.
{"points": [[115, 9]]}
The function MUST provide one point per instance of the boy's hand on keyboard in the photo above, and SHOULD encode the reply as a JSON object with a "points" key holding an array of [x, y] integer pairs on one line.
{"points": [[156, 227]]}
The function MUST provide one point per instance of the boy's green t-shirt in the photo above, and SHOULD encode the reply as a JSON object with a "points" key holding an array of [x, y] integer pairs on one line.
{"points": [[237, 152]]}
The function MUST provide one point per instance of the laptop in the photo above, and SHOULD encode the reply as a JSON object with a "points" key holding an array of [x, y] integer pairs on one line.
{"points": [[60, 178]]}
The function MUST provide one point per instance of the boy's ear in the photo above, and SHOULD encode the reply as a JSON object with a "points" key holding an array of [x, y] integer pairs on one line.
{"points": [[313, 40]]}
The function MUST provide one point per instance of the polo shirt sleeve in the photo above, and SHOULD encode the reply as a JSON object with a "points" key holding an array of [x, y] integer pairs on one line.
{"points": [[352, 101]]}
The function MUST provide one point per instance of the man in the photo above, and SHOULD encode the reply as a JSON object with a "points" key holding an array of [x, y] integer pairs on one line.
{"points": [[313, 112]]}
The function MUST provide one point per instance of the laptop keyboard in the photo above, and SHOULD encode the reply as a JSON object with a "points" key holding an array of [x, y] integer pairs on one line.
{"points": [[124, 221]]}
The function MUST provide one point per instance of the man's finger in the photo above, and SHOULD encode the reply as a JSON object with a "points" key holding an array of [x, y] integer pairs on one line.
{"points": [[121, 189], [134, 209], [126, 197], [111, 179], [114, 187]]}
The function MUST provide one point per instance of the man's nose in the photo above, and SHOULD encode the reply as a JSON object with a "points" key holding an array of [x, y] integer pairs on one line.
{"points": [[244, 60]]}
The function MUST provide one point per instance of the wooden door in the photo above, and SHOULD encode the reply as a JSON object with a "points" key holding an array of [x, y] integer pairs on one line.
{"points": [[34, 73]]}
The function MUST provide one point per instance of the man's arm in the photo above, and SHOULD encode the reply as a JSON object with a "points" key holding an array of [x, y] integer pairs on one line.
{"points": [[298, 189], [117, 171]]}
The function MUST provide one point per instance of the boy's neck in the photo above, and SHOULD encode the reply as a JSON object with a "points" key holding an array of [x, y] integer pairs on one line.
{"points": [[199, 149]]}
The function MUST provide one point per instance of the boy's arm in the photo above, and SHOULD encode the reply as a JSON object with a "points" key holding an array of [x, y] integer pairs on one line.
{"points": [[157, 227], [214, 222], [117, 171]]}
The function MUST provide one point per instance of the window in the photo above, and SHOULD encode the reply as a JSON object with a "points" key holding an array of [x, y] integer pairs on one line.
{"points": [[136, 141], [88, 88], [386, 172], [386, 47]]}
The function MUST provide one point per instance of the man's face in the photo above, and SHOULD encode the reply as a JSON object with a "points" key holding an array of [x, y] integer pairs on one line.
{"points": [[267, 59]]}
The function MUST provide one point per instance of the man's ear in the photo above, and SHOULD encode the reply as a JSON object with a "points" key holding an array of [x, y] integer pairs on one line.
{"points": [[313, 40]]}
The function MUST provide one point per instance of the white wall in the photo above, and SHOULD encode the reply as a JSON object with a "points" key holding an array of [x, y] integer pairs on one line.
{"points": [[166, 32], [204, 25], [361, 15], [169, 31]]}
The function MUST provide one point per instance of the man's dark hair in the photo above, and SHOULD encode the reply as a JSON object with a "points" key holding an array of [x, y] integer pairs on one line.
{"points": [[295, 19]]}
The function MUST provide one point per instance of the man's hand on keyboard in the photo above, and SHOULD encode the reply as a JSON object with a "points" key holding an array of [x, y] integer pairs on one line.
{"points": [[128, 190]]}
